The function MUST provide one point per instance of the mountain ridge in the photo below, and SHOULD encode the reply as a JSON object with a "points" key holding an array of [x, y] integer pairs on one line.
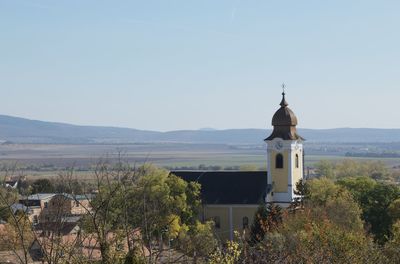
{"points": [[23, 130]]}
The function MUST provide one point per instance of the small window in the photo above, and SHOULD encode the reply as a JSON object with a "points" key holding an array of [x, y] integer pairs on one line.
{"points": [[279, 161], [76, 204], [245, 222], [217, 221], [297, 161], [46, 204]]}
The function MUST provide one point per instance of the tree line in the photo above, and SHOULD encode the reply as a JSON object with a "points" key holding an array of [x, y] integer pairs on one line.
{"points": [[351, 214]]}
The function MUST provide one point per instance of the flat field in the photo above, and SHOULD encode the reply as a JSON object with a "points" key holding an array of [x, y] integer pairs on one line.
{"points": [[46, 160]]}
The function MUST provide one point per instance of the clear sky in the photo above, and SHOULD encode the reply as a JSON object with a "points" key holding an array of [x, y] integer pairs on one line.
{"points": [[181, 64]]}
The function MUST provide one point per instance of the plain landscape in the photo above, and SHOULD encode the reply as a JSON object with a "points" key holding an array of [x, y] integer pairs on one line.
{"points": [[42, 148]]}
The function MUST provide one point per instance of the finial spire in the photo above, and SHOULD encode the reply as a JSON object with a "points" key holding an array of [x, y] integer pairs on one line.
{"points": [[283, 102]]}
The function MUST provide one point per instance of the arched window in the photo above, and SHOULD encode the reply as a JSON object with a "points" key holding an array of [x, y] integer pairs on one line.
{"points": [[297, 161], [245, 222], [279, 161]]}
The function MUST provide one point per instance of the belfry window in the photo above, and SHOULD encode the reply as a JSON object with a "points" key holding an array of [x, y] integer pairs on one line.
{"points": [[296, 161], [279, 161]]}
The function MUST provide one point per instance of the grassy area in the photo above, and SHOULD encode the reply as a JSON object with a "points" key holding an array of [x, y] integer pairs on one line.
{"points": [[47, 160]]}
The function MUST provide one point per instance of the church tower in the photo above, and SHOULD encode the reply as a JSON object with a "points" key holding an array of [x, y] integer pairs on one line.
{"points": [[285, 156]]}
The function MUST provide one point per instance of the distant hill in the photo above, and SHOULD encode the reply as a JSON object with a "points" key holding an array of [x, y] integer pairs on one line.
{"points": [[21, 130]]}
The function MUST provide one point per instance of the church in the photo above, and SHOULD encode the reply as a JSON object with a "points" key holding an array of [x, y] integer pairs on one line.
{"points": [[231, 198]]}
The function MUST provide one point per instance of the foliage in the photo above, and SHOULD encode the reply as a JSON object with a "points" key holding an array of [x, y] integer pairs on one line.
{"points": [[325, 169], [17, 236], [7, 197], [43, 186], [230, 254], [394, 210], [391, 249], [197, 240], [376, 200], [334, 201], [350, 168], [266, 219], [161, 207], [326, 229]]}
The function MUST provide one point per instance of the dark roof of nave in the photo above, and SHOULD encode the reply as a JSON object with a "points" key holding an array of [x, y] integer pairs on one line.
{"points": [[228, 187]]}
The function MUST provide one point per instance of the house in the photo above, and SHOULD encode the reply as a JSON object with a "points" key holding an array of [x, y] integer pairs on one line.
{"points": [[11, 184], [231, 198], [51, 207], [36, 204], [69, 242]]}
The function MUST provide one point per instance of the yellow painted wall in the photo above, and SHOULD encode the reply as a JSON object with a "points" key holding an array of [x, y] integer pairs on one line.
{"points": [[279, 176], [223, 213], [238, 212], [297, 172]]}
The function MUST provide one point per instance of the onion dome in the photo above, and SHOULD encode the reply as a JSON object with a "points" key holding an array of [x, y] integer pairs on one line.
{"points": [[284, 116], [284, 122]]}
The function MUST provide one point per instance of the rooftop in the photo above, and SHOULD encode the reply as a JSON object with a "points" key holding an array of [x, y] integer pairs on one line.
{"points": [[228, 187], [40, 196]]}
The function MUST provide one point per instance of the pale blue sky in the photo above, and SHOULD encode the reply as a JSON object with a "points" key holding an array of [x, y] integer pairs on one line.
{"points": [[170, 64]]}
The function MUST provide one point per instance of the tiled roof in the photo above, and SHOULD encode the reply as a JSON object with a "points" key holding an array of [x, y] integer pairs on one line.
{"points": [[228, 187]]}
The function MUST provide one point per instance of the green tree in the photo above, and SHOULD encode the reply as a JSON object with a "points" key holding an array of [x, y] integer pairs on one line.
{"points": [[377, 210], [375, 199], [334, 201], [162, 206], [7, 198], [43, 186], [328, 229], [325, 168], [391, 250], [230, 254], [351, 168], [394, 210]]}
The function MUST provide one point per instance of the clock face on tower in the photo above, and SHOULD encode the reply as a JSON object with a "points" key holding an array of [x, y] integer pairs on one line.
{"points": [[278, 145]]}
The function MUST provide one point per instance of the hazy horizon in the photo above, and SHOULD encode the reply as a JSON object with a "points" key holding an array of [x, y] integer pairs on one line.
{"points": [[185, 65], [200, 129]]}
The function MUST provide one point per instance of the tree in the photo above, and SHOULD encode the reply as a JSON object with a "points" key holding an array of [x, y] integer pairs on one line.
{"points": [[42, 186], [230, 254], [325, 169], [334, 201], [394, 210], [266, 219], [150, 208], [17, 234], [351, 168], [391, 249], [375, 199], [328, 229], [377, 210]]}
